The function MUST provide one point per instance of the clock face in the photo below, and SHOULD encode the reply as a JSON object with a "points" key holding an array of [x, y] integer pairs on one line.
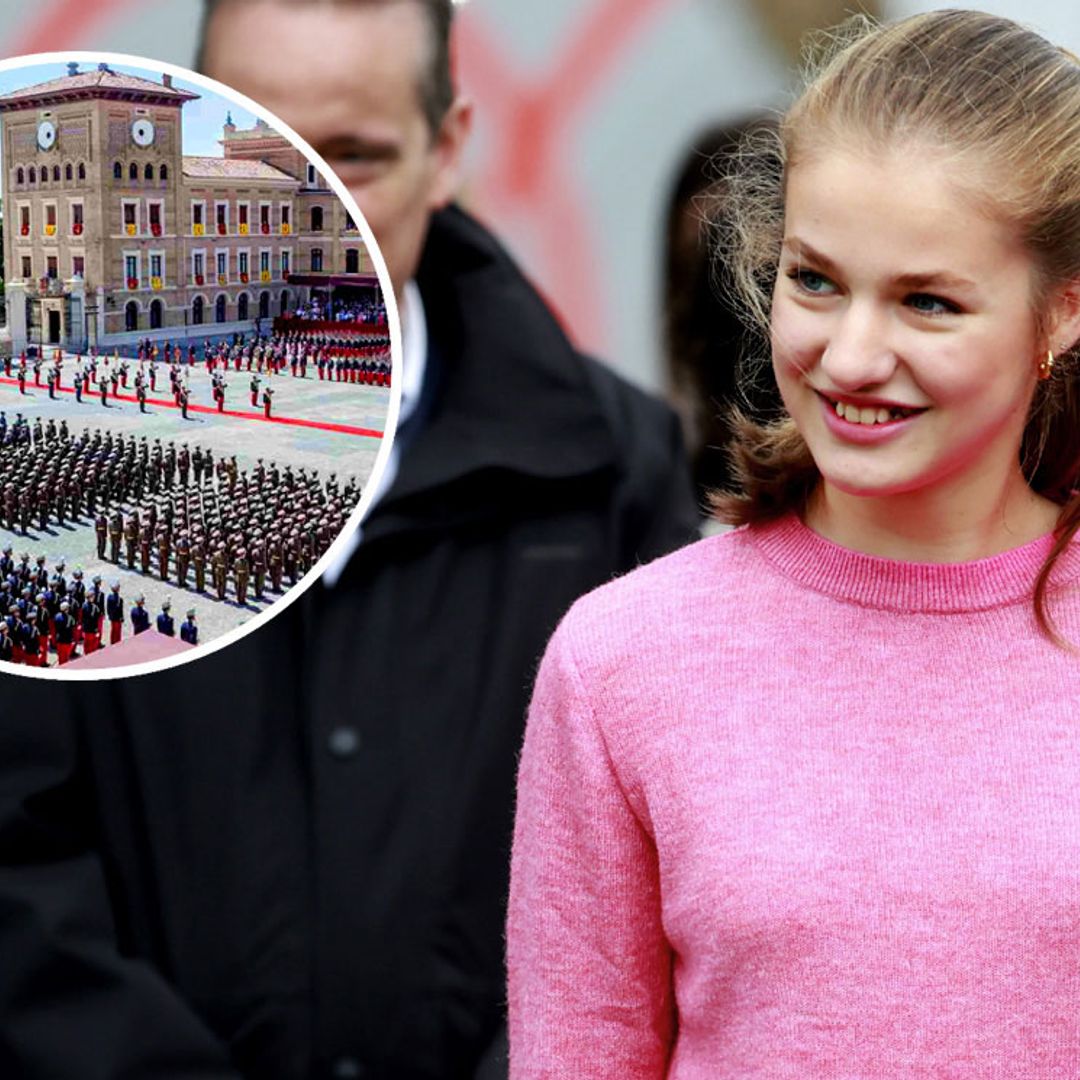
{"points": [[46, 135], [142, 131]]}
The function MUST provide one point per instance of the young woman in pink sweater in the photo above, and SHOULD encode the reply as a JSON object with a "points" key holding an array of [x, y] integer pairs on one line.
{"points": [[802, 800]]}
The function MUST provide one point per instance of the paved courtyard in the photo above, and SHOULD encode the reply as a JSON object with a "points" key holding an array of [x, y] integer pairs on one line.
{"points": [[328, 426]]}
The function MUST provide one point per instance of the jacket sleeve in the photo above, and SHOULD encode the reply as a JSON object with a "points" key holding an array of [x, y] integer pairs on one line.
{"points": [[70, 1003], [589, 966]]}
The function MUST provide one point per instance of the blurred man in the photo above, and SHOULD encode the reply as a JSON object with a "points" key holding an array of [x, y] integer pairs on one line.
{"points": [[290, 859]]}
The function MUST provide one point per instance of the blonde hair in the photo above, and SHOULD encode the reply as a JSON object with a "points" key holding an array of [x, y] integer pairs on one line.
{"points": [[980, 88]]}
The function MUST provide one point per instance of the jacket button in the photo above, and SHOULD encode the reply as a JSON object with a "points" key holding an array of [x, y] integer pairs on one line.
{"points": [[347, 1068], [343, 743]]}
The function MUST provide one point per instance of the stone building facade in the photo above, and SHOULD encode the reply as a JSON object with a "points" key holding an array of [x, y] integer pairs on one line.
{"points": [[113, 234]]}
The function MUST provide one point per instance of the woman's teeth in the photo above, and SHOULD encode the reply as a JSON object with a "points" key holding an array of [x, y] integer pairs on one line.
{"points": [[853, 414]]}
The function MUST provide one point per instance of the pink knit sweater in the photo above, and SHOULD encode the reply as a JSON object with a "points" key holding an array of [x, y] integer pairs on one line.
{"points": [[791, 811]]}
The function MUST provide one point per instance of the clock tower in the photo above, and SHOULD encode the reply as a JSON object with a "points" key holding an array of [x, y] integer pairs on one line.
{"points": [[93, 166]]}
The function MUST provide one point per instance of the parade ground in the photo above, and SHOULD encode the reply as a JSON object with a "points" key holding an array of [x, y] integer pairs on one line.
{"points": [[328, 426], [315, 424]]}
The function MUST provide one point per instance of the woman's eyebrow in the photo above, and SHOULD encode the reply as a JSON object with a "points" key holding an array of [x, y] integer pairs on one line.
{"points": [[922, 279]]}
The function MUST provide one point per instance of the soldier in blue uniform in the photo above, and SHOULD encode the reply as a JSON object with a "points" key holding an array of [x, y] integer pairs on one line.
{"points": [[166, 624], [140, 617], [114, 609], [189, 632], [65, 633], [91, 624]]}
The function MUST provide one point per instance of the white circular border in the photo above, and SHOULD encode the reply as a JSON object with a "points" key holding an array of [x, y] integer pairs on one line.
{"points": [[57, 674]]}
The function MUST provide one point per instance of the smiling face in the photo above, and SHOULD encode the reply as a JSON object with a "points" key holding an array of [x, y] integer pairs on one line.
{"points": [[347, 78], [904, 339]]}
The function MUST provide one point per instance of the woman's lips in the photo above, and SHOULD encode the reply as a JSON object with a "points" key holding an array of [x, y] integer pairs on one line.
{"points": [[867, 422]]}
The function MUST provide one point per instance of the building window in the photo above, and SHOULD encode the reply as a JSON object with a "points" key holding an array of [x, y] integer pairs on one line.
{"points": [[264, 305], [352, 261], [52, 267], [78, 266], [198, 222], [77, 218], [27, 268], [131, 218], [24, 220], [264, 262], [148, 172], [311, 176], [118, 171], [82, 171], [316, 260], [69, 173], [44, 174], [156, 310], [200, 264], [164, 172], [286, 260], [131, 316], [286, 217], [242, 307], [50, 217], [156, 262], [20, 176], [242, 258], [222, 264], [155, 218], [197, 311], [33, 175], [133, 172], [56, 173], [219, 309], [222, 212], [316, 219], [242, 211], [131, 267], [264, 217]]}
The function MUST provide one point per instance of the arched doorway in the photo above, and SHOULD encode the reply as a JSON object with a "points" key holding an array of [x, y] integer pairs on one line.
{"points": [[264, 305], [219, 308], [198, 310], [285, 302], [242, 307], [131, 316], [157, 309]]}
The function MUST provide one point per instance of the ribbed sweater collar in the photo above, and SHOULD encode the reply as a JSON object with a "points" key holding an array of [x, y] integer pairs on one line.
{"points": [[887, 584]]}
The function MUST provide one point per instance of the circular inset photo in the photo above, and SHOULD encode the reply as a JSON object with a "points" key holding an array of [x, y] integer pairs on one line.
{"points": [[197, 383]]}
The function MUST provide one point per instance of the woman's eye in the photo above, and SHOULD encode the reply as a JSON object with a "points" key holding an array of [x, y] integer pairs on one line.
{"points": [[926, 304], [811, 282]]}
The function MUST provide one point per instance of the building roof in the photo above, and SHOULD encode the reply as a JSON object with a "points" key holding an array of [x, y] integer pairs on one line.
{"points": [[99, 83], [213, 168]]}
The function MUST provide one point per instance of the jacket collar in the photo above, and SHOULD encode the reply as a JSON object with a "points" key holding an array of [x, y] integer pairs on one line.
{"points": [[508, 392]]}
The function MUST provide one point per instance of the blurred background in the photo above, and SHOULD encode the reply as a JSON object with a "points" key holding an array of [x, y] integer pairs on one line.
{"points": [[589, 115]]}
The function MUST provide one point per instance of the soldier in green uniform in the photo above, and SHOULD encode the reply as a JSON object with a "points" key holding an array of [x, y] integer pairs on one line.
{"points": [[116, 532], [241, 571], [220, 566], [146, 537], [183, 559], [198, 557], [131, 537]]}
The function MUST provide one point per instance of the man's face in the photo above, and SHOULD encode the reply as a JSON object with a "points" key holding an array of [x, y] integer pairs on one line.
{"points": [[347, 78]]}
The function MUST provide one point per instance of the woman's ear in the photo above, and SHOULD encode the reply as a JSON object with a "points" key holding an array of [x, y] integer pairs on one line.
{"points": [[1064, 325]]}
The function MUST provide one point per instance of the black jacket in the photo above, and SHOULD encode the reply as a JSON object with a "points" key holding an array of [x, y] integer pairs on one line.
{"points": [[289, 859]]}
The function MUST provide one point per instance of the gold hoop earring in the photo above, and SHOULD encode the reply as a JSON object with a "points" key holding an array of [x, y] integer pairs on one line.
{"points": [[1046, 365]]}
